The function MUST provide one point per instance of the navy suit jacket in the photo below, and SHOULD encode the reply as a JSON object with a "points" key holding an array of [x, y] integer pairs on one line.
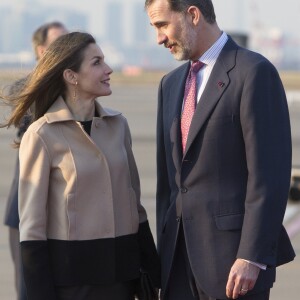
{"points": [[230, 188], [11, 217]]}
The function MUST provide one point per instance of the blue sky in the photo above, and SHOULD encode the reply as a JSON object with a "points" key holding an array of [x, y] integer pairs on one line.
{"points": [[231, 14], [282, 15]]}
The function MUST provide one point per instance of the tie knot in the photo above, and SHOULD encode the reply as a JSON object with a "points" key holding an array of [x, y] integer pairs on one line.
{"points": [[196, 66]]}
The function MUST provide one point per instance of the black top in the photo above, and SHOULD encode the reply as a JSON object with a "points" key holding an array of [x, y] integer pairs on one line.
{"points": [[87, 125]]}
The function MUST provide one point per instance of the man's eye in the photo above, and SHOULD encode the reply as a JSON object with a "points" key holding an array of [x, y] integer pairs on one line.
{"points": [[161, 25]]}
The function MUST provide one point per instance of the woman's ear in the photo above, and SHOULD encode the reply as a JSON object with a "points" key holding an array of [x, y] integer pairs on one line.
{"points": [[70, 76]]}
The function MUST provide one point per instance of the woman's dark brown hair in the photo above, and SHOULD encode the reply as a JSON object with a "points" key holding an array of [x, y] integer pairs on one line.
{"points": [[46, 83]]}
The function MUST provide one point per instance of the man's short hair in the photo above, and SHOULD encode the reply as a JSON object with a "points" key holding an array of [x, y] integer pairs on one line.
{"points": [[206, 7], [39, 37]]}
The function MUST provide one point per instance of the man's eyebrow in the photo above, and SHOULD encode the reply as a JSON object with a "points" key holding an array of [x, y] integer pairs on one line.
{"points": [[158, 23]]}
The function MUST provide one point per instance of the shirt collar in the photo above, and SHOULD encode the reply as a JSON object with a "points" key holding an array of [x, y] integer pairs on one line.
{"points": [[211, 55]]}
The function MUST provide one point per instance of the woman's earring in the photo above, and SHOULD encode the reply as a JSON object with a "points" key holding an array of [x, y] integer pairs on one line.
{"points": [[75, 92]]}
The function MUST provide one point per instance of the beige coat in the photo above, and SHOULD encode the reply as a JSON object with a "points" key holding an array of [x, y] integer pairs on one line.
{"points": [[74, 186]]}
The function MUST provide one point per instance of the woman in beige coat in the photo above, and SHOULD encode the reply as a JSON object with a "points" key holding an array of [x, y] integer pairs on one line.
{"points": [[84, 233]]}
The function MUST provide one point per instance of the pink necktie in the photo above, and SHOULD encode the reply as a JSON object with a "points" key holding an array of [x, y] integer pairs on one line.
{"points": [[189, 101]]}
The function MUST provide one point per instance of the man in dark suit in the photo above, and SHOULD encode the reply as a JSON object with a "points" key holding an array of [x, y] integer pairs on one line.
{"points": [[222, 190], [41, 39]]}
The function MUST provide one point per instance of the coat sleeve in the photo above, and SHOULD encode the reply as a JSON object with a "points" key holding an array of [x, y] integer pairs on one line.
{"points": [[148, 254], [266, 130], [33, 195], [149, 257], [134, 175]]}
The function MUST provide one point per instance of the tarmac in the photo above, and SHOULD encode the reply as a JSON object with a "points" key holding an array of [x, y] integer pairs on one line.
{"points": [[138, 104]]}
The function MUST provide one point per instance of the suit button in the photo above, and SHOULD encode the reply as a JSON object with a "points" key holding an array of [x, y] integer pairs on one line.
{"points": [[184, 189], [178, 219]]}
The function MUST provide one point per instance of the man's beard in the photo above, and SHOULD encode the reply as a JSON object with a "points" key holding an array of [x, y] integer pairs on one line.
{"points": [[184, 53], [183, 44]]}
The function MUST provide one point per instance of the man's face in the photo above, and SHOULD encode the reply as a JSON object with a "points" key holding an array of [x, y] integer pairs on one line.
{"points": [[172, 29], [52, 35]]}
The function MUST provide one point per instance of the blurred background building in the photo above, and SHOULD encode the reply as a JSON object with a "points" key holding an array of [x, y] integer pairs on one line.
{"points": [[123, 31]]}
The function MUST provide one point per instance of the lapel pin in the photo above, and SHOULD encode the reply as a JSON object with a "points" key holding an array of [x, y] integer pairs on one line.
{"points": [[221, 84]]}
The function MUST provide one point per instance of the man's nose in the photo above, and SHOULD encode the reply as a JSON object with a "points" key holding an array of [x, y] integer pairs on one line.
{"points": [[161, 38]]}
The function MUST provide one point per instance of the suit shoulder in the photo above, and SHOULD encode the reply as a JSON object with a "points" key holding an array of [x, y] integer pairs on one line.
{"points": [[176, 72], [251, 58], [17, 86], [246, 59]]}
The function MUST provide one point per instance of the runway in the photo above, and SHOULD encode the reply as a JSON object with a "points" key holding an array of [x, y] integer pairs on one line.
{"points": [[138, 104]]}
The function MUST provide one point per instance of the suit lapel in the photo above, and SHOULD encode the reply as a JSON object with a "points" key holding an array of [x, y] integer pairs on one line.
{"points": [[215, 87], [175, 107]]}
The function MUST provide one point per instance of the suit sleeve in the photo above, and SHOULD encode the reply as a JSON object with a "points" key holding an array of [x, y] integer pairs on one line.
{"points": [[163, 191], [33, 195], [11, 214], [266, 130]]}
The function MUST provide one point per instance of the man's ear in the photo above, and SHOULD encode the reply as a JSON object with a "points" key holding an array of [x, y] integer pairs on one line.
{"points": [[70, 76], [40, 50], [195, 14]]}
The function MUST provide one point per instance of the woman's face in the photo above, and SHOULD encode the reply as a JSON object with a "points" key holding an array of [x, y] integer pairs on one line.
{"points": [[93, 76]]}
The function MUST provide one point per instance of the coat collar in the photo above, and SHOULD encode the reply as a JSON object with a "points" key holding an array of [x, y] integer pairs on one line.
{"points": [[59, 111]]}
